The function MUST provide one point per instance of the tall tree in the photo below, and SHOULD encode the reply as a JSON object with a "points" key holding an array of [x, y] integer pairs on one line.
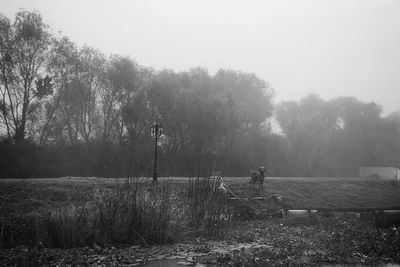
{"points": [[90, 77], [62, 62], [247, 104], [335, 137], [22, 63]]}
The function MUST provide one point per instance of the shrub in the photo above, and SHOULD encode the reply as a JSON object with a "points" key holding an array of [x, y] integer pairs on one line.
{"points": [[209, 215], [132, 212], [129, 212]]}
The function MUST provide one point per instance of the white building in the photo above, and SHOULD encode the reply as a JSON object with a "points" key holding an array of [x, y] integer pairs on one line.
{"points": [[387, 173]]}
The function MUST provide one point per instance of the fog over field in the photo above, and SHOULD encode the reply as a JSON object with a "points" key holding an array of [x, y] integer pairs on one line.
{"points": [[331, 48], [303, 88], [199, 133]]}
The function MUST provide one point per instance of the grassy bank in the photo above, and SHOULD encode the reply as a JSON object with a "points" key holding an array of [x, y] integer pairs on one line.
{"points": [[86, 212], [29, 194], [102, 213], [305, 193]]}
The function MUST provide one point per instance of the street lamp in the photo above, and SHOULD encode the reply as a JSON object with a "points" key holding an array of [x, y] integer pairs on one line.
{"points": [[156, 132]]}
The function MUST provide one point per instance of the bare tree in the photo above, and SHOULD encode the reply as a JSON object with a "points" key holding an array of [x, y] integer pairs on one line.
{"points": [[62, 58], [23, 46]]}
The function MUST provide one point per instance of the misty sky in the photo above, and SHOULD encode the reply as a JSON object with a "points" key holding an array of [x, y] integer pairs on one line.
{"points": [[331, 48]]}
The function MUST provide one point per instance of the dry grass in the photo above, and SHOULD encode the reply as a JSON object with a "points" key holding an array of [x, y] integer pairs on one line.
{"points": [[130, 213], [31, 194], [329, 193], [21, 201], [71, 214], [74, 212]]}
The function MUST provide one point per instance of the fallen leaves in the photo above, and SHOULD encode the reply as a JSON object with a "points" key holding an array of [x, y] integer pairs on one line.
{"points": [[343, 240]]}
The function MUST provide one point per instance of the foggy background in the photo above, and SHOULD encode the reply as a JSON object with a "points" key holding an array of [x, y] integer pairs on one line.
{"points": [[331, 48], [305, 88]]}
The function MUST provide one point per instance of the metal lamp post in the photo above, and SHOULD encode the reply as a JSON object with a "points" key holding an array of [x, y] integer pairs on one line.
{"points": [[156, 132]]}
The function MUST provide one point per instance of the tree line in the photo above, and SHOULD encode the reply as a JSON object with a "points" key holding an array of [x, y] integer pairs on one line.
{"points": [[69, 110]]}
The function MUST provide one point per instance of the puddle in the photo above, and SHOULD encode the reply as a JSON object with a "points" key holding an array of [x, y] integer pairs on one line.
{"points": [[203, 259], [360, 265], [180, 263], [173, 263], [195, 259]]}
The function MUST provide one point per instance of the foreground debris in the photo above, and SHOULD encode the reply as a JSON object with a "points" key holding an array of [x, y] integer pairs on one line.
{"points": [[343, 240]]}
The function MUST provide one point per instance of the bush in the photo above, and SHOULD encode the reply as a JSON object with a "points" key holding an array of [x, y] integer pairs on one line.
{"points": [[209, 214], [129, 212], [132, 212]]}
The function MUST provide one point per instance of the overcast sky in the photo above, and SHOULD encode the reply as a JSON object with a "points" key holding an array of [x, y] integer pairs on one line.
{"points": [[331, 48]]}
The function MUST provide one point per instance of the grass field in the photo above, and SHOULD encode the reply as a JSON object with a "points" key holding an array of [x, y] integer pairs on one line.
{"points": [[28, 195], [77, 212], [330, 193]]}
